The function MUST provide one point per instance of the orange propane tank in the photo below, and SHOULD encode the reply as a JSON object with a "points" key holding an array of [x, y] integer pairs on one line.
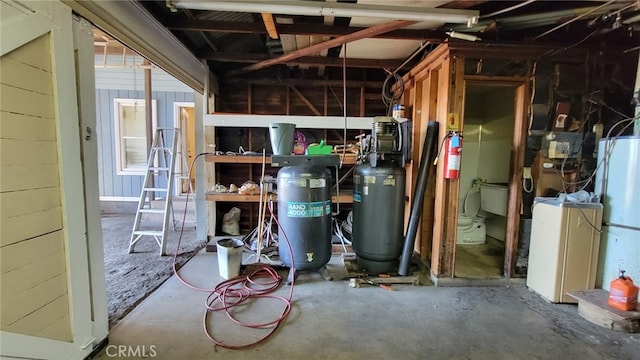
{"points": [[623, 294]]}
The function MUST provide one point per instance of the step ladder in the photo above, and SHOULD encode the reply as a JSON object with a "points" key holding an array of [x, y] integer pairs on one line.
{"points": [[152, 221]]}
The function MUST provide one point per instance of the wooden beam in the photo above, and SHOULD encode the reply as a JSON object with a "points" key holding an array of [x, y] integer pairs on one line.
{"points": [[462, 4], [204, 36], [325, 100], [249, 98], [516, 170], [304, 82], [252, 58], [306, 101], [362, 102], [434, 36], [270, 25], [374, 30]]}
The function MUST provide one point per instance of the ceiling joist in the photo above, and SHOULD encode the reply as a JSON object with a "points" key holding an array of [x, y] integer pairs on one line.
{"points": [[368, 32], [300, 29], [252, 58]]}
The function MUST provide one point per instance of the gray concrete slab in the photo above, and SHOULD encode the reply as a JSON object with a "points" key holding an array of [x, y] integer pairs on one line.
{"points": [[330, 320]]}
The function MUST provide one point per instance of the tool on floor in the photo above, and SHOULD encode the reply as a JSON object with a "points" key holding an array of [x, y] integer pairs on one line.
{"points": [[384, 286], [152, 221], [384, 282]]}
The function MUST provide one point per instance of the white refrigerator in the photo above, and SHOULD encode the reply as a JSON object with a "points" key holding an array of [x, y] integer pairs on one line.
{"points": [[563, 252], [618, 184]]}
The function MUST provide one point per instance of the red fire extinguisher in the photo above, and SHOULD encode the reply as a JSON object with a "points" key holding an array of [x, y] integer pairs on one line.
{"points": [[453, 149]]}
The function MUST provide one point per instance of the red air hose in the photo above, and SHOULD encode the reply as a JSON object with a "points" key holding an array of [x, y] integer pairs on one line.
{"points": [[235, 291]]}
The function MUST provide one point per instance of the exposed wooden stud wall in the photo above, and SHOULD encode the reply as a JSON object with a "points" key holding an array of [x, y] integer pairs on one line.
{"points": [[515, 188], [288, 102], [362, 101], [456, 105], [276, 99], [249, 99], [441, 78], [430, 87], [441, 193], [325, 94], [306, 101], [432, 75]]}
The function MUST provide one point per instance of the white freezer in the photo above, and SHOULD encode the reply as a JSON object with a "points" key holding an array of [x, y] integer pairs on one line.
{"points": [[563, 252]]}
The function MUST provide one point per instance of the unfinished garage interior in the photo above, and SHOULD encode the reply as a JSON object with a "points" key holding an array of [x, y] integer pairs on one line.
{"points": [[381, 179]]}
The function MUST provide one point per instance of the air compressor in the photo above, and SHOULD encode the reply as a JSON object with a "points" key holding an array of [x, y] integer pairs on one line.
{"points": [[304, 211], [379, 197]]}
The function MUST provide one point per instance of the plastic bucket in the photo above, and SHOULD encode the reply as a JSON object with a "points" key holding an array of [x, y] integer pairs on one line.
{"points": [[281, 135], [229, 257]]}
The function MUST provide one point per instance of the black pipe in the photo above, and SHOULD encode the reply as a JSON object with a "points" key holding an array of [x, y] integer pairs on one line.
{"points": [[418, 199]]}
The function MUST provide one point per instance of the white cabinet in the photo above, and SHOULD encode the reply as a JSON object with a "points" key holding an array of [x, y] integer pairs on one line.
{"points": [[563, 253]]}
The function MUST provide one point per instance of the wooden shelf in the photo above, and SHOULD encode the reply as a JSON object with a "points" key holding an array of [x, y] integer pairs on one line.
{"points": [[345, 197], [349, 159], [236, 159], [302, 122], [212, 196]]}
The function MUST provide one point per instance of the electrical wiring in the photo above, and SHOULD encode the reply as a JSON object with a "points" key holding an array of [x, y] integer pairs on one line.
{"points": [[235, 291], [533, 91], [337, 230], [586, 219], [577, 18], [603, 160], [390, 97], [553, 200], [344, 108], [507, 9], [435, 161]]}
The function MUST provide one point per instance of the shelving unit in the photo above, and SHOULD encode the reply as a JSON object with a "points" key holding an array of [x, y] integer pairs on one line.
{"points": [[236, 169], [344, 196]]}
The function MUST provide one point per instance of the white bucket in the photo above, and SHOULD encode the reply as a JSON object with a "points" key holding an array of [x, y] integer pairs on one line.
{"points": [[229, 257]]}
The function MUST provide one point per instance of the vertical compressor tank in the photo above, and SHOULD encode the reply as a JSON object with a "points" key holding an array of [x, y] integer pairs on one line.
{"points": [[378, 216], [304, 213]]}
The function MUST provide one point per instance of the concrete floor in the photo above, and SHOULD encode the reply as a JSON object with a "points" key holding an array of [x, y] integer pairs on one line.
{"points": [[330, 320], [131, 277]]}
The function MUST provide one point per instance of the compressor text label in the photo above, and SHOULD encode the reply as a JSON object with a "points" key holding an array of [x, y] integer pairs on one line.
{"points": [[308, 209]]}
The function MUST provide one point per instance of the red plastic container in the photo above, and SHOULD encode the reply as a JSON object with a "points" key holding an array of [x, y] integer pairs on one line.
{"points": [[623, 294]]}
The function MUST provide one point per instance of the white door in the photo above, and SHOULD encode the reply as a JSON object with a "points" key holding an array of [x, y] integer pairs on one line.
{"points": [[184, 115], [49, 309]]}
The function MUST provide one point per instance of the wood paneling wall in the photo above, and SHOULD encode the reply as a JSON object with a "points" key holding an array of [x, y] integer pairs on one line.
{"points": [[300, 99], [33, 274]]}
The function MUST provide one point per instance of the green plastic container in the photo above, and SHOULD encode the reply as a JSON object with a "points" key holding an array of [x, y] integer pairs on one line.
{"points": [[319, 149]]}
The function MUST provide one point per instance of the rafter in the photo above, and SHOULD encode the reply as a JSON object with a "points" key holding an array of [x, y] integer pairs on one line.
{"points": [[252, 58], [306, 101], [304, 82], [365, 33], [270, 25]]}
